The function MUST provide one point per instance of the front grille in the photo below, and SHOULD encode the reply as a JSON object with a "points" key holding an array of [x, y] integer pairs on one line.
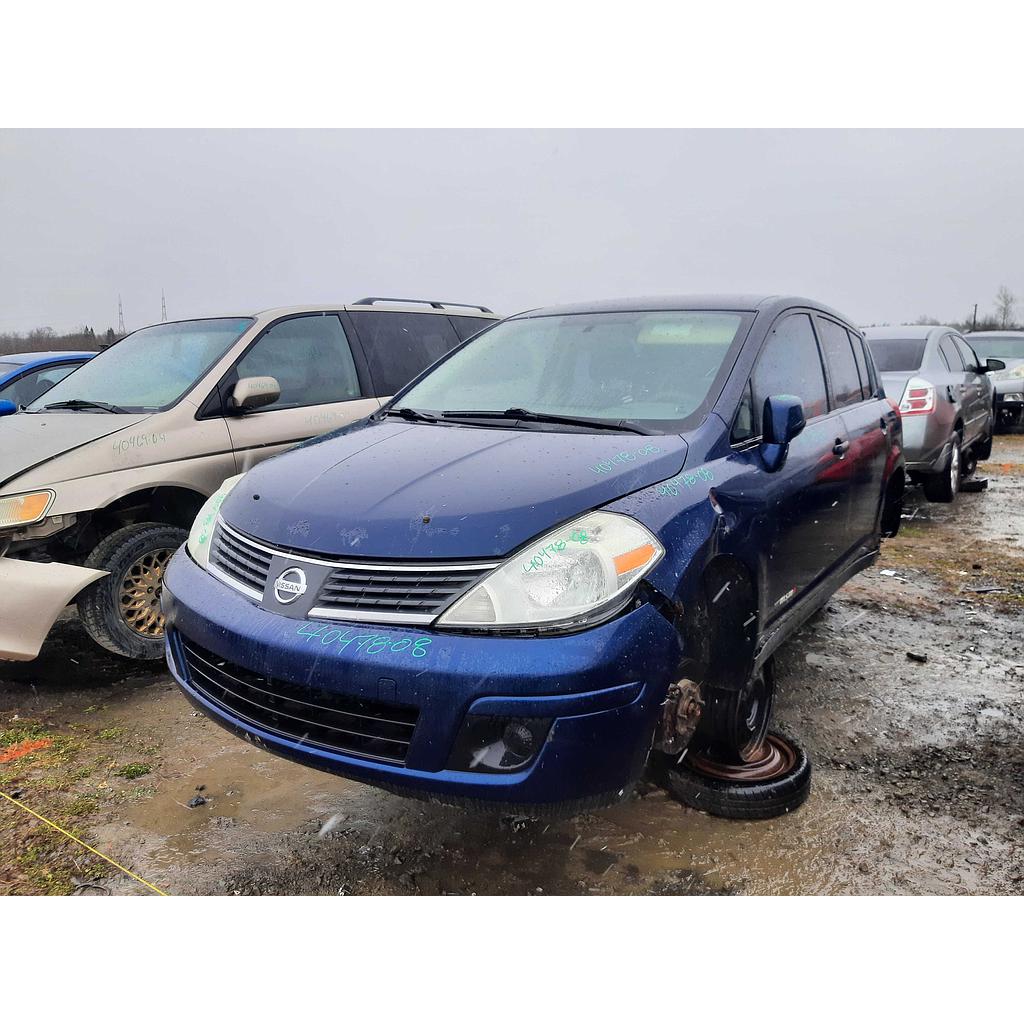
{"points": [[315, 718], [237, 557], [387, 593]]}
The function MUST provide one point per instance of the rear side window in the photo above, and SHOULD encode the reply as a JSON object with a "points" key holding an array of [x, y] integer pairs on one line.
{"points": [[400, 346], [949, 353], [790, 364], [862, 365], [467, 326], [841, 363], [893, 355], [310, 358]]}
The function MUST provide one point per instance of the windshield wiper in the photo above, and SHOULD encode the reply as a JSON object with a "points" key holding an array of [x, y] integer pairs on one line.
{"points": [[408, 413], [543, 417], [84, 403]]}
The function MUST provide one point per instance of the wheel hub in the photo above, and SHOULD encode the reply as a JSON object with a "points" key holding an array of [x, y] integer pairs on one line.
{"points": [[772, 759], [140, 593]]}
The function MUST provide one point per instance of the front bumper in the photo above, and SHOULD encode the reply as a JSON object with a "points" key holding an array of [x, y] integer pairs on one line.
{"points": [[32, 595], [1010, 403], [602, 689]]}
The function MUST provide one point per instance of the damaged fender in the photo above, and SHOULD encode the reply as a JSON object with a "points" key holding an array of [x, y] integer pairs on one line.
{"points": [[32, 595]]}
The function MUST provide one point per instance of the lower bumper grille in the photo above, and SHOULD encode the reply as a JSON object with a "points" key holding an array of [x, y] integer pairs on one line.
{"points": [[315, 718]]}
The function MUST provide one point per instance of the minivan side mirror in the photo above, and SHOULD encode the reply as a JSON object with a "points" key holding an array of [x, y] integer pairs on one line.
{"points": [[992, 365], [6, 407], [251, 393], [781, 420]]}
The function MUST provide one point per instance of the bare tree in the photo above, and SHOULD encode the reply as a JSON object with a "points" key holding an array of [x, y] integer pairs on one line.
{"points": [[927, 321], [1005, 302]]}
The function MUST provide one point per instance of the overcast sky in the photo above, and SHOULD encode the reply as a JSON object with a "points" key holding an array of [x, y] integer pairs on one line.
{"points": [[883, 225]]}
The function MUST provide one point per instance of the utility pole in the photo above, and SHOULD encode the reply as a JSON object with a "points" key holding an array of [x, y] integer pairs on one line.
{"points": [[974, 322], [163, 307], [120, 318]]}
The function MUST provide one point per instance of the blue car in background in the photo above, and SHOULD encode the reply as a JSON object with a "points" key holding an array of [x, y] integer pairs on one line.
{"points": [[24, 376], [575, 540]]}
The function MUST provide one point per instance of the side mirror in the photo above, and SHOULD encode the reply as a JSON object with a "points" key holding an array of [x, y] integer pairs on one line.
{"points": [[6, 407], [254, 393], [992, 365], [781, 420]]}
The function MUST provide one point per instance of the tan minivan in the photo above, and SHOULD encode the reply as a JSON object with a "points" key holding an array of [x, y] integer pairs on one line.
{"points": [[101, 477]]}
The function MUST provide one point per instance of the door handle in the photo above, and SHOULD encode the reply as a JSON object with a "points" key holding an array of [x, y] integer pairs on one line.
{"points": [[840, 448]]}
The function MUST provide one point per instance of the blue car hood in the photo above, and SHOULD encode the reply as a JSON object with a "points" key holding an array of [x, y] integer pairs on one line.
{"points": [[400, 490]]}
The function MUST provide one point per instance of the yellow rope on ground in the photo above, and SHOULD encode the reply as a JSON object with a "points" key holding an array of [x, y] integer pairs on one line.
{"points": [[64, 831]]}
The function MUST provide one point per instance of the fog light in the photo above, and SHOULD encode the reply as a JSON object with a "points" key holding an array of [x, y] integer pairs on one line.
{"points": [[490, 744]]}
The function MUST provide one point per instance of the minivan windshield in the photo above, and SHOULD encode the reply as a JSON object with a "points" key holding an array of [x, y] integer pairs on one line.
{"points": [[893, 355], [1007, 346], [652, 369], [147, 371]]}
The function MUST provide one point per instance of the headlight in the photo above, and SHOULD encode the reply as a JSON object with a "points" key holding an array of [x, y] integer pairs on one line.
{"points": [[1016, 373], [201, 534], [570, 577], [23, 509]]}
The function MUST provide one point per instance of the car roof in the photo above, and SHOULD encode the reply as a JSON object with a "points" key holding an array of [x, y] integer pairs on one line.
{"points": [[370, 304], [21, 358], [731, 302], [906, 332]]}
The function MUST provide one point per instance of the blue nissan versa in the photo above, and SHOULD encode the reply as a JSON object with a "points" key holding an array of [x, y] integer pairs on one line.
{"points": [[577, 537]]}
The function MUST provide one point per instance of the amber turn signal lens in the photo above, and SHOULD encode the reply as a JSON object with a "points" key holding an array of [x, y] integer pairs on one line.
{"points": [[629, 560], [22, 509]]}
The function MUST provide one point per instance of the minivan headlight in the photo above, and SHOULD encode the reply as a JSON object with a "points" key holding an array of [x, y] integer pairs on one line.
{"points": [[201, 535], [24, 509], [570, 577]]}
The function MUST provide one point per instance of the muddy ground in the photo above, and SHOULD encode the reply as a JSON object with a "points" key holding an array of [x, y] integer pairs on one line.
{"points": [[918, 784]]}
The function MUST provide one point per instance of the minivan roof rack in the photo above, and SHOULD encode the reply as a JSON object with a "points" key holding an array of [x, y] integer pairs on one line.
{"points": [[370, 300]]}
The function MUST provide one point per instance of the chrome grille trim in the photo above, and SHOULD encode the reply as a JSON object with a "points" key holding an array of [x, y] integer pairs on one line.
{"points": [[358, 615], [380, 566]]}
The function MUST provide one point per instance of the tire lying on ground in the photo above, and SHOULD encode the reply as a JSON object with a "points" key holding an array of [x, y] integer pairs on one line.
{"points": [[121, 612], [776, 782]]}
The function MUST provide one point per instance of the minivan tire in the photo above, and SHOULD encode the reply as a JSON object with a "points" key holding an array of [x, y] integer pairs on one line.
{"points": [[944, 486], [747, 801], [121, 612]]}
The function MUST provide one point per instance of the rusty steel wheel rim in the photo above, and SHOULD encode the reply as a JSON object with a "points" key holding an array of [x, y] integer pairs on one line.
{"points": [[140, 593], [774, 758]]}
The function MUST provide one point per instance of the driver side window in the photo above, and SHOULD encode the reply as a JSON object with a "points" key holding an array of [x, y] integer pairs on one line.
{"points": [[789, 364], [310, 358]]}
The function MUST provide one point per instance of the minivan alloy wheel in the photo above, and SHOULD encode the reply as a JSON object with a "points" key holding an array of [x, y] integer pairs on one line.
{"points": [[140, 593], [121, 611]]}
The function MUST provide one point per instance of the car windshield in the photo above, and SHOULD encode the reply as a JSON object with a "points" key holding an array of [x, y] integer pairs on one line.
{"points": [[896, 354], [1005, 347], [150, 369], [654, 369]]}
